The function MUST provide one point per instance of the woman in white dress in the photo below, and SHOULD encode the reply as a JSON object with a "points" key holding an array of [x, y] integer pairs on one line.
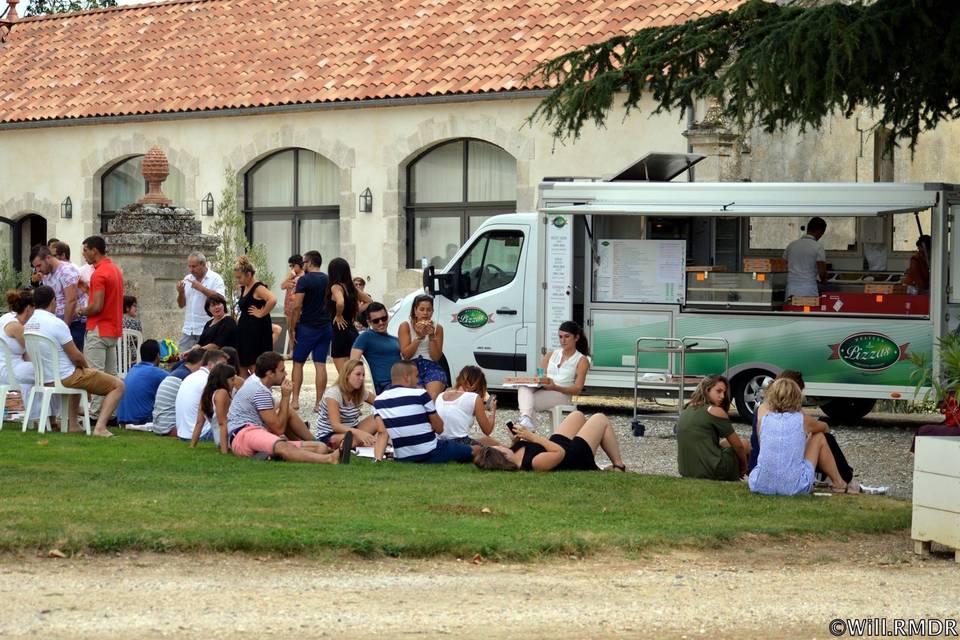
{"points": [[20, 305], [566, 370]]}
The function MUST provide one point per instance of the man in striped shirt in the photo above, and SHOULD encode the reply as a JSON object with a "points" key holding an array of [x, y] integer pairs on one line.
{"points": [[259, 428], [406, 412]]}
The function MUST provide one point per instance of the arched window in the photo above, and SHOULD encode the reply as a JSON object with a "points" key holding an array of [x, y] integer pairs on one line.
{"points": [[123, 184], [451, 189], [292, 205]]}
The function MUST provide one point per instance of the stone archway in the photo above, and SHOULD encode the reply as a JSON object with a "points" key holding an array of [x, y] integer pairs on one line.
{"points": [[242, 158], [16, 210], [430, 133]]}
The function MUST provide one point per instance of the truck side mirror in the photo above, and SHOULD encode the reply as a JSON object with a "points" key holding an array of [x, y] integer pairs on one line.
{"points": [[444, 284], [430, 280]]}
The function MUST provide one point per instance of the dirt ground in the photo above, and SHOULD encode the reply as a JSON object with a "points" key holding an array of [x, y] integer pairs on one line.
{"points": [[754, 589]]}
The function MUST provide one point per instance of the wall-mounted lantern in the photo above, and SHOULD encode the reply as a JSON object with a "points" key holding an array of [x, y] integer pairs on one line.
{"points": [[207, 203], [66, 209], [366, 201]]}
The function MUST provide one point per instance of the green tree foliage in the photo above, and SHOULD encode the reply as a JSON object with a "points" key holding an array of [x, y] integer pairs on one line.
{"points": [[41, 7], [10, 278], [773, 65], [230, 226]]}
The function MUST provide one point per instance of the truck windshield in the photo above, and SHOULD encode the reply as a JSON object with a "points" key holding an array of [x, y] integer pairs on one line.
{"points": [[490, 263]]}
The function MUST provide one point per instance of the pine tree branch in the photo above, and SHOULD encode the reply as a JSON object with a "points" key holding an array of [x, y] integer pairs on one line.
{"points": [[771, 65]]}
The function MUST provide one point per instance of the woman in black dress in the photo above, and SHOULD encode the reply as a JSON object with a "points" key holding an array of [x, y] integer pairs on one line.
{"points": [[220, 330], [344, 301], [254, 329], [572, 447]]}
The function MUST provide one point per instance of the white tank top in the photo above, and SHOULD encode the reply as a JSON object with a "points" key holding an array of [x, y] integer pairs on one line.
{"points": [[14, 346], [566, 374], [423, 349], [457, 415]]}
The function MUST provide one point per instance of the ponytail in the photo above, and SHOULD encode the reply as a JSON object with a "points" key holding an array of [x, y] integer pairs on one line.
{"points": [[571, 327]]}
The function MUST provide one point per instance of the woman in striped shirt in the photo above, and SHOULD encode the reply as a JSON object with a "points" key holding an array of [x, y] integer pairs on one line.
{"points": [[340, 409]]}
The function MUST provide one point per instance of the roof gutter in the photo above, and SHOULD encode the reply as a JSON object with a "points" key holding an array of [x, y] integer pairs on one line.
{"points": [[282, 108]]}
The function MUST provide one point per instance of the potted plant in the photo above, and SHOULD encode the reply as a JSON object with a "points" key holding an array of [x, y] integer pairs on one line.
{"points": [[942, 388]]}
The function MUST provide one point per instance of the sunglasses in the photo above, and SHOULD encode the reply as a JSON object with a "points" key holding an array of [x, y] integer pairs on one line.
{"points": [[377, 320]]}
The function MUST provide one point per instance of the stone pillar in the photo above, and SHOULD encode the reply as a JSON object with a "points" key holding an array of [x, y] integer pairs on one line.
{"points": [[724, 149], [151, 242]]}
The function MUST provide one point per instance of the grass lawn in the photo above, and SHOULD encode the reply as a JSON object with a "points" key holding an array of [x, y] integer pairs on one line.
{"points": [[138, 491]]}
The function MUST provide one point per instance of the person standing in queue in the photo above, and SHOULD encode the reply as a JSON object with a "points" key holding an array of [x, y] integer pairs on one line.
{"points": [[806, 261], [312, 330]]}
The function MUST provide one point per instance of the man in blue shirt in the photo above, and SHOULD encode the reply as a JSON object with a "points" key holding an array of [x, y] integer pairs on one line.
{"points": [[142, 380], [310, 328], [380, 349], [189, 364]]}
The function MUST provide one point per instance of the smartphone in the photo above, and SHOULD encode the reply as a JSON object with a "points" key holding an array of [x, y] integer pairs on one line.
{"points": [[510, 427], [489, 403]]}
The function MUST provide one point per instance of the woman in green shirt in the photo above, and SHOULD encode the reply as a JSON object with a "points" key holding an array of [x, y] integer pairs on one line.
{"points": [[707, 445]]}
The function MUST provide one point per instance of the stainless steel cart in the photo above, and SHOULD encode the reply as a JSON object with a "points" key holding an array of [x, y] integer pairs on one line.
{"points": [[675, 380]]}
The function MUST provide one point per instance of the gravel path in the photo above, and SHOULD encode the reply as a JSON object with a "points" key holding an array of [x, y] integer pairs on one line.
{"points": [[786, 589], [878, 448]]}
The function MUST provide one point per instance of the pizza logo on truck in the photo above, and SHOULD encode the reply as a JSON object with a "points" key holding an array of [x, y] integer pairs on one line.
{"points": [[559, 222], [869, 351], [472, 318]]}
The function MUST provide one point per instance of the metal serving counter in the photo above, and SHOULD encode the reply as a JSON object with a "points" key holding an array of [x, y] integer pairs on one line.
{"points": [[741, 291]]}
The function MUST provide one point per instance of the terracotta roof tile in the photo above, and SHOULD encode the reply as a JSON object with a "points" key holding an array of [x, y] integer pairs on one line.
{"points": [[199, 55]]}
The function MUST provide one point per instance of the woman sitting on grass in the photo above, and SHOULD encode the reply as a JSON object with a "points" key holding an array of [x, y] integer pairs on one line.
{"points": [[791, 448], [572, 447], [459, 407], [214, 406], [707, 445], [340, 409]]}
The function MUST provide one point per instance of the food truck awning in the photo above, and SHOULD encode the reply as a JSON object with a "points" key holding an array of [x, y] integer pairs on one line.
{"points": [[735, 199]]}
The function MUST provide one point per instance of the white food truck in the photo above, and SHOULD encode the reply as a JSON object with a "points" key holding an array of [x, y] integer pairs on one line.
{"points": [[637, 259]]}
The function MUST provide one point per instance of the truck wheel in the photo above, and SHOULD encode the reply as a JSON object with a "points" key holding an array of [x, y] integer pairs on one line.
{"points": [[847, 409], [746, 392]]}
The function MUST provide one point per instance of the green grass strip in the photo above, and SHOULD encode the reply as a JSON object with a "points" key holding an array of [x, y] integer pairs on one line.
{"points": [[141, 492]]}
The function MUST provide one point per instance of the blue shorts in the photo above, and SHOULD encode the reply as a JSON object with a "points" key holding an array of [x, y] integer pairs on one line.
{"points": [[446, 451], [312, 340], [429, 371]]}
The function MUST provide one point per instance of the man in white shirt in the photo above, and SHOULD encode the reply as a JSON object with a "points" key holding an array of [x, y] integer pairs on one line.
{"points": [[192, 293], [806, 261], [188, 395], [70, 365]]}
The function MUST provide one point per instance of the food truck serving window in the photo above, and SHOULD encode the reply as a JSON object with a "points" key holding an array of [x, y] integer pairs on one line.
{"points": [[490, 263], [777, 233]]}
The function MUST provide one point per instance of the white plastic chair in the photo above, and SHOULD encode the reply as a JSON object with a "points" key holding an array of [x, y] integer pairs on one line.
{"points": [[43, 351], [10, 384], [128, 350], [558, 412]]}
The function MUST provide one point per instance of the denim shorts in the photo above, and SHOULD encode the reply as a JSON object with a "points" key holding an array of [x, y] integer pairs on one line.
{"points": [[312, 340], [446, 451], [429, 371]]}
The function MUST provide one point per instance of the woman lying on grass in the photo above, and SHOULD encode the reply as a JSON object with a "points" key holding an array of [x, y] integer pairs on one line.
{"points": [[790, 446], [572, 447]]}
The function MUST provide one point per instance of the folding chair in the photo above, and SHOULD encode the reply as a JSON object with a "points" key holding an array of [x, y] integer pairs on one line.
{"points": [[43, 353], [128, 350], [560, 411], [10, 384]]}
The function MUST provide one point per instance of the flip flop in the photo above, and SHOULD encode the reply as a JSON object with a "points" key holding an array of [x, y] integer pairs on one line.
{"points": [[345, 448], [622, 468], [108, 434]]}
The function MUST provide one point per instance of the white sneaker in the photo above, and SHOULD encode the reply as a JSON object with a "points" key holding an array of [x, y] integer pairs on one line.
{"points": [[527, 423]]}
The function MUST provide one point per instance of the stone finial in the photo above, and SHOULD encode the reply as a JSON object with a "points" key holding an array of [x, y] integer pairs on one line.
{"points": [[7, 19], [155, 171]]}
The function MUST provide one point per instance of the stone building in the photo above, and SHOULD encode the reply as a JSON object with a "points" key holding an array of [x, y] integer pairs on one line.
{"points": [[311, 104]]}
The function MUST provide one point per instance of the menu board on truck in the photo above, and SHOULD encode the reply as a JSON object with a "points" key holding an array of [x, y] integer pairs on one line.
{"points": [[649, 271], [559, 276]]}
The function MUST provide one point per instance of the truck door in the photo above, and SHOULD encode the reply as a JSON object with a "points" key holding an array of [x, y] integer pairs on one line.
{"points": [[483, 315]]}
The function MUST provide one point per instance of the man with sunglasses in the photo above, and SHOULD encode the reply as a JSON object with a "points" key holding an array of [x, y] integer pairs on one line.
{"points": [[380, 349]]}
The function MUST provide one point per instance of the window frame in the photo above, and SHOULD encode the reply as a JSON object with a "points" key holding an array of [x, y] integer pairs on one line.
{"points": [[463, 209], [485, 239], [295, 213], [750, 252]]}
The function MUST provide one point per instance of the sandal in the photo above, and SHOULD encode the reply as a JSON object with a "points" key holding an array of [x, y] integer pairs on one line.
{"points": [[622, 468], [345, 448], [850, 487]]}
